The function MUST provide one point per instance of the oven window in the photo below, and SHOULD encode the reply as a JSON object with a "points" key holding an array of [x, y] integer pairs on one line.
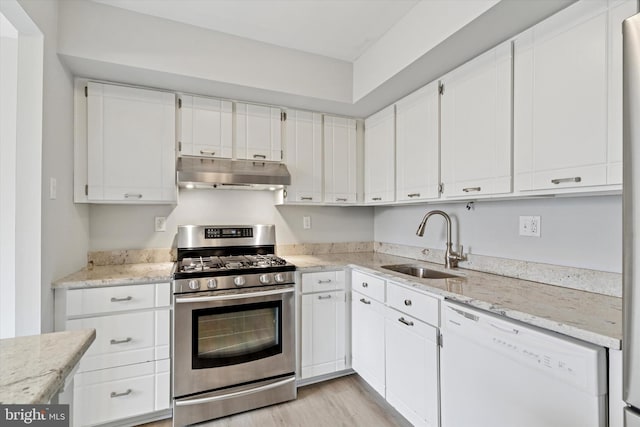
{"points": [[236, 334]]}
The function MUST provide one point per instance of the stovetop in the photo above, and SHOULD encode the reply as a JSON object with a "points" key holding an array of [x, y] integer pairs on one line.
{"points": [[191, 266]]}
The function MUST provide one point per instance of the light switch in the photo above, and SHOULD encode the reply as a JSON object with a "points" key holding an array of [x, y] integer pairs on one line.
{"points": [[53, 188]]}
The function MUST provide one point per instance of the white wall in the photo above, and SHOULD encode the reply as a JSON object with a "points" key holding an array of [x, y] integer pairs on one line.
{"points": [[65, 227], [584, 232], [8, 104], [132, 227]]}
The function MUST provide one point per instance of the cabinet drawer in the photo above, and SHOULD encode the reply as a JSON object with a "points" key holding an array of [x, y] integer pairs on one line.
{"points": [[369, 285], [422, 307], [82, 302], [112, 394], [322, 281]]}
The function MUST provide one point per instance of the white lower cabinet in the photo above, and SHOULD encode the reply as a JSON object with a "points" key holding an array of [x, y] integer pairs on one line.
{"points": [[125, 373], [323, 324], [395, 346]]}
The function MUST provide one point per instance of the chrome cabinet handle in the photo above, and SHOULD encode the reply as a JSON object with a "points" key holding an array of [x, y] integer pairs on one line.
{"points": [[126, 340], [259, 156], [306, 198], [376, 198], [341, 199], [364, 301], [413, 195], [365, 285], [324, 281], [469, 189], [406, 322], [126, 393], [324, 297], [407, 302], [209, 153], [132, 196], [114, 299], [561, 180]]}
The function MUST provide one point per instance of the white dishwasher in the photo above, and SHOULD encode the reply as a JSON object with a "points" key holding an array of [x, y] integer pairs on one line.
{"points": [[498, 373]]}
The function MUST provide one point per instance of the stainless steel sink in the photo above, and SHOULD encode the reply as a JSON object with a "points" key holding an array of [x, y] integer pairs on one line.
{"points": [[418, 270]]}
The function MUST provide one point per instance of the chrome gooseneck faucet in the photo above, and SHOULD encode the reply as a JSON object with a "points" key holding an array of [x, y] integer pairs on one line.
{"points": [[451, 258]]}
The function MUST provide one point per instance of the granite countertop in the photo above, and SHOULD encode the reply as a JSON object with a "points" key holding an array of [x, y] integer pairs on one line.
{"points": [[34, 368], [584, 315], [116, 275]]}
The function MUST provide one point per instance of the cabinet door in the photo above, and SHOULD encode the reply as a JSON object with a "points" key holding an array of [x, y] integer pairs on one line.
{"points": [[131, 144], [303, 142], [412, 368], [323, 333], [205, 127], [379, 156], [340, 161], [367, 346], [568, 99], [418, 145], [258, 132], [476, 126]]}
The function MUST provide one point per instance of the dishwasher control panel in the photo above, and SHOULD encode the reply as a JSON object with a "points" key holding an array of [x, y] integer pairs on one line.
{"points": [[563, 357]]}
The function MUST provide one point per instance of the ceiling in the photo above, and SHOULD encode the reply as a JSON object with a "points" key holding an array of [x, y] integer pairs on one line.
{"points": [[341, 29]]}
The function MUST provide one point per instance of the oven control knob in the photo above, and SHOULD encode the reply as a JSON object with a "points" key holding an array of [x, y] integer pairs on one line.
{"points": [[239, 281], [265, 279], [194, 284], [279, 277], [212, 283]]}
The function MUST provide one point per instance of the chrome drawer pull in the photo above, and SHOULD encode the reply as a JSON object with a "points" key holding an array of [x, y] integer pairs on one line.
{"points": [[365, 285], [324, 281], [407, 302], [132, 196], [306, 198], [561, 180], [413, 195], [406, 322], [126, 340], [469, 189], [341, 199], [376, 198], [259, 156], [324, 297], [208, 153], [126, 393], [364, 301], [114, 299]]}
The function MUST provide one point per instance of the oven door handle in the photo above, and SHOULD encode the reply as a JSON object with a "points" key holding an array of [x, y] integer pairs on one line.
{"points": [[182, 300], [234, 394]]}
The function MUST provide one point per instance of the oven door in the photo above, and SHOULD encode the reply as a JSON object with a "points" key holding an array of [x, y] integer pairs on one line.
{"points": [[223, 338]]}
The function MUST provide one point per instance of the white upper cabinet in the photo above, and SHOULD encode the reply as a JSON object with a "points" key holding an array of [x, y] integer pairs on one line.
{"points": [[379, 156], [303, 156], [476, 126], [568, 98], [418, 145], [340, 161], [130, 145], [258, 132], [205, 127]]}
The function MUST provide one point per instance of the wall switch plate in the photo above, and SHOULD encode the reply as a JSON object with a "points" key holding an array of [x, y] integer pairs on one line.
{"points": [[53, 188], [530, 226], [306, 222], [161, 223]]}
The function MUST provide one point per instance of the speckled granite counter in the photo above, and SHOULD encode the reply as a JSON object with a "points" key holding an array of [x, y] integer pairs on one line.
{"points": [[116, 275], [588, 316], [33, 369]]}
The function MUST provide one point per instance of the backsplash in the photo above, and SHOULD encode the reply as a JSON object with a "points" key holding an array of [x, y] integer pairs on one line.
{"points": [[131, 256], [324, 248]]}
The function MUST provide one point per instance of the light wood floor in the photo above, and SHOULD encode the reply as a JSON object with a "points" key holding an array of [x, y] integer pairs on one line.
{"points": [[346, 401]]}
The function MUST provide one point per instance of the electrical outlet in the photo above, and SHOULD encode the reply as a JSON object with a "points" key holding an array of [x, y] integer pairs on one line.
{"points": [[530, 226], [161, 223], [306, 222]]}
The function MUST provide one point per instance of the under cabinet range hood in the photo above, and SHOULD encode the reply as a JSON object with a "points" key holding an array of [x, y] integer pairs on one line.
{"points": [[197, 172]]}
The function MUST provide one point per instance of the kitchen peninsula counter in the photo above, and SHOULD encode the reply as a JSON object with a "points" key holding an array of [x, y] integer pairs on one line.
{"points": [[33, 369], [584, 315], [116, 275]]}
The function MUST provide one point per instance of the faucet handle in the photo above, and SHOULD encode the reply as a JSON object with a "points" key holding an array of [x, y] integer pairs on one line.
{"points": [[459, 256]]}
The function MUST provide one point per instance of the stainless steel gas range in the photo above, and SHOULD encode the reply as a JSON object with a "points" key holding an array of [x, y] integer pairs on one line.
{"points": [[233, 325]]}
